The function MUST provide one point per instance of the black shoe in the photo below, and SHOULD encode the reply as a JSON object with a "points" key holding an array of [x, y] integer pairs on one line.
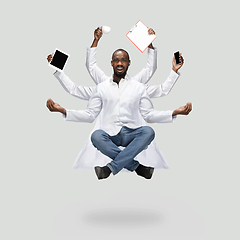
{"points": [[102, 172], [145, 172]]}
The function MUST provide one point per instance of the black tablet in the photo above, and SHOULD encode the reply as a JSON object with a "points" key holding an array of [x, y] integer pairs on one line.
{"points": [[59, 60]]}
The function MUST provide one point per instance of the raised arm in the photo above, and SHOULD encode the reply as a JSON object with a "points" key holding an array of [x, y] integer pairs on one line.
{"points": [[155, 91], [95, 72], [147, 72], [81, 92]]}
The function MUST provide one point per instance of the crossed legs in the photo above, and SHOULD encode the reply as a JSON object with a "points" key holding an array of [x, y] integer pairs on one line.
{"points": [[134, 141]]}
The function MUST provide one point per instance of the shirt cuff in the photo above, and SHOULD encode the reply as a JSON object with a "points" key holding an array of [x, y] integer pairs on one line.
{"points": [[174, 118], [174, 75], [65, 117], [152, 50], [91, 49], [57, 73]]}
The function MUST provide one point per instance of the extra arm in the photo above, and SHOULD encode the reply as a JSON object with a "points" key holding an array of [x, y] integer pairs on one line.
{"points": [[88, 115], [95, 72], [151, 115], [155, 91], [81, 92], [165, 88], [147, 72]]}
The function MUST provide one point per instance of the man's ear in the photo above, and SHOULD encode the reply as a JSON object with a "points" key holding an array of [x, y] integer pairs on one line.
{"points": [[129, 63], [112, 63]]}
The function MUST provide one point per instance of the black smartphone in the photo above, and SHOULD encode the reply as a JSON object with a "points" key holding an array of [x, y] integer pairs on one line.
{"points": [[176, 54]]}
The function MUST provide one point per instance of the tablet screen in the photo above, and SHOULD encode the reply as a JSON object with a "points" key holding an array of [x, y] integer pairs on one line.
{"points": [[59, 60]]}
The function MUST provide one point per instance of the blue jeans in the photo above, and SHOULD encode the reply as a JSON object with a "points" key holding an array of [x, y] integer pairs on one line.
{"points": [[134, 141]]}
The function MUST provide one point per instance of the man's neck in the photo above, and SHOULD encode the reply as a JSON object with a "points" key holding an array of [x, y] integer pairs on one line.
{"points": [[117, 79]]}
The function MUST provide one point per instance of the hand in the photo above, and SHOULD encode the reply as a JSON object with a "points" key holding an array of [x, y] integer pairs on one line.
{"points": [[184, 110], [49, 58], [150, 32], [176, 67], [55, 107], [98, 33]]}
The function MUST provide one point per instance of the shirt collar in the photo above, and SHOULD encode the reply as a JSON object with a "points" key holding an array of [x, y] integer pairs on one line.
{"points": [[127, 77]]}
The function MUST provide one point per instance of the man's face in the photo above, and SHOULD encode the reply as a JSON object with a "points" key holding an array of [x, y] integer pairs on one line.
{"points": [[120, 63]]}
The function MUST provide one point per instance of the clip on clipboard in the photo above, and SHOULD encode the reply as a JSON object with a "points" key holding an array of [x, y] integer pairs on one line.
{"points": [[139, 36]]}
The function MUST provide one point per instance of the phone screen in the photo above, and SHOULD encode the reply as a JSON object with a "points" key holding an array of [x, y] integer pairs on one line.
{"points": [[176, 54]]}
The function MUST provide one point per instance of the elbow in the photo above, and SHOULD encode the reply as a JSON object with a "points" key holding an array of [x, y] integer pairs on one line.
{"points": [[164, 94], [147, 118], [91, 118], [72, 90]]}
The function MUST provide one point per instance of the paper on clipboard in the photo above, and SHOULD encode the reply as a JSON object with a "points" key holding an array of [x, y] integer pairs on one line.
{"points": [[139, 36]]}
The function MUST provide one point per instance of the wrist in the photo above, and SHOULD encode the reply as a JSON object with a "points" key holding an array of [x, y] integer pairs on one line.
{"points": [[175, 113], [95, 42], [151, 46], [63, 111], [175, 69]]}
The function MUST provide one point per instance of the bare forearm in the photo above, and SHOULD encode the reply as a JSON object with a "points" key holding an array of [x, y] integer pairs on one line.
{"points": [[95, 43], [97, 35]]}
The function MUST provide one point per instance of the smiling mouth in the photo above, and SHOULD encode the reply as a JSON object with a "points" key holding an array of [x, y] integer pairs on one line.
{"points": [[120, 69]]}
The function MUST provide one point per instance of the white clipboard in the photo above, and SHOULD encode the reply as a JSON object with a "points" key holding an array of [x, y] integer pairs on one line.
{"points": [[139, 36]]}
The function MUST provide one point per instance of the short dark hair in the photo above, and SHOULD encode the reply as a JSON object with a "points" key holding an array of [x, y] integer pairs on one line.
{"points": [[120, 49]]}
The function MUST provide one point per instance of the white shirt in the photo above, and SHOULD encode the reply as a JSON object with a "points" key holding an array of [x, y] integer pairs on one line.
{"points": [[84, 93], [99, 76], [154, 91], [89, 157], [121, 105]]}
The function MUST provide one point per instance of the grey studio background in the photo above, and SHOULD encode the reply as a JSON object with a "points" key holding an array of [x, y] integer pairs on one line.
{"points": [[42, 197]]}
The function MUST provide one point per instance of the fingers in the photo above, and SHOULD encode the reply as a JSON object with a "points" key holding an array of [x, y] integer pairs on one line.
{"points": [[181, 59], [49, 58], [50, 104], [98, 32], [151, 31], [188, 108]]}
